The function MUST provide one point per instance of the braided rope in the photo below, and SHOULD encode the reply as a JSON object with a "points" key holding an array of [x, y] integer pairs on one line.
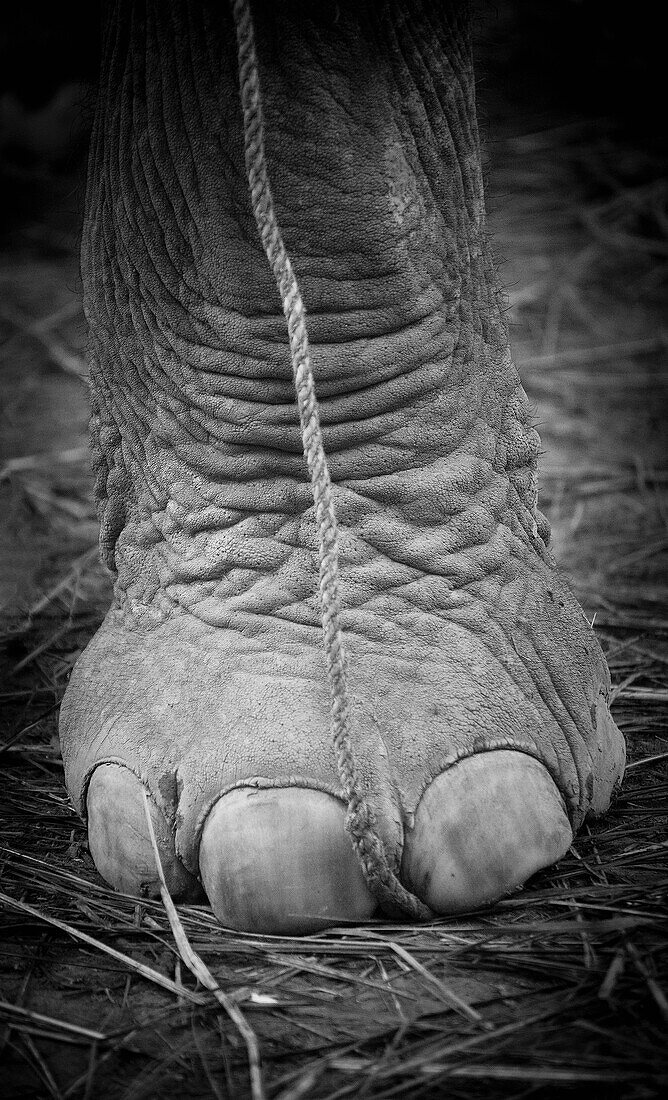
{"points": [[360, 822]]}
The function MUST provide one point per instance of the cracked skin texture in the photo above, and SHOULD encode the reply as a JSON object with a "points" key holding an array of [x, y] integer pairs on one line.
{"points": [[479, 695]]}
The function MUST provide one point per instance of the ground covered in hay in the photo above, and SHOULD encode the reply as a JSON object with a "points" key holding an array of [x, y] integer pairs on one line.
{"points": [[562, 989]]}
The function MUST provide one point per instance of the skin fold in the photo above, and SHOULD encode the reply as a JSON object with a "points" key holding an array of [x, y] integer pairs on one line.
{"points": [[479, 693]]}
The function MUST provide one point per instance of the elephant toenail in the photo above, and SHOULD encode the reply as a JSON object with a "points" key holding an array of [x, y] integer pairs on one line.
{"points": [[482, 828], [279, 860], [119, 839]]}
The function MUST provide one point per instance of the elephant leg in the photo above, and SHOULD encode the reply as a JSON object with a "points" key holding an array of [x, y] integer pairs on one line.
{"points": [[478, 696]]}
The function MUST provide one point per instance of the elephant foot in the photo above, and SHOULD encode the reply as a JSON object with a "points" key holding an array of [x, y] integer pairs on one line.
{"points": [[479, 734], [473, 783]]}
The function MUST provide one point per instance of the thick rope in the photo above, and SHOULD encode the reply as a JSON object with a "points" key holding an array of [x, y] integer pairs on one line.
{"points": [[360, 822]]}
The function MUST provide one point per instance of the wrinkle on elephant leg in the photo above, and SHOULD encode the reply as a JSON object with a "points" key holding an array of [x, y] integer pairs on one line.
{"points": [[478, 694]]}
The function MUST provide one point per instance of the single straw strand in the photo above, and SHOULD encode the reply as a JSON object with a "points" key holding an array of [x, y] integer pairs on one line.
{"points": [[198, 967]]}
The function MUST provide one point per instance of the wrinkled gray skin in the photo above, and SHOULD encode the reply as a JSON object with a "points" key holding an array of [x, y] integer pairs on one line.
{"points": [[208, 673]]}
